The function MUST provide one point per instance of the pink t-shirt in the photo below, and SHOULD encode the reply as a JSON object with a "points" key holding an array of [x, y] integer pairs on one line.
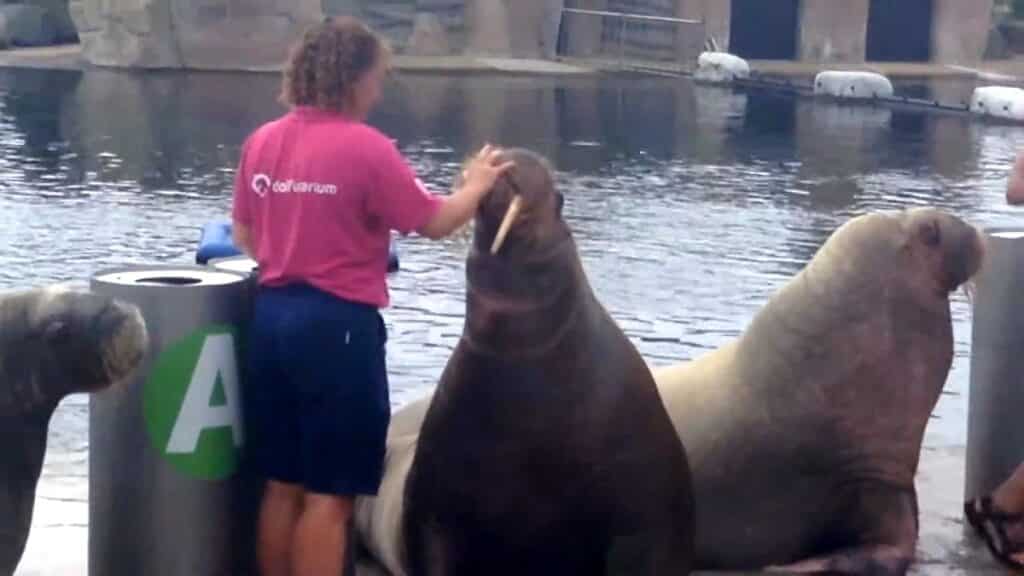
{"points": [[320, 194]]}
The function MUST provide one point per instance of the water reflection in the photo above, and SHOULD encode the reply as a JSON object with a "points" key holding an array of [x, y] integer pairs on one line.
{"points": [[690, 204]]}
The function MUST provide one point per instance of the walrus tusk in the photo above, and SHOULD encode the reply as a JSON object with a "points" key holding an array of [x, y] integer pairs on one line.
{"points": [[970, 289], [506, 224]]}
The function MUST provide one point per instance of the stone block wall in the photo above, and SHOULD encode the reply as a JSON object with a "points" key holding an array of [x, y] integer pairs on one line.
{"points": [[833, 31], [612, 37], [960, 30], [715, 14]]}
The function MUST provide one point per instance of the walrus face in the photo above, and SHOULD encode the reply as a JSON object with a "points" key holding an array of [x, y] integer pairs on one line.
{"points": [[523, 271], [535, 226], [58, 342], [951, 250]]}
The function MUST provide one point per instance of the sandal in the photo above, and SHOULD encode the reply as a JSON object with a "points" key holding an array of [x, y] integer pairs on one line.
{"points": [[990, 524]]}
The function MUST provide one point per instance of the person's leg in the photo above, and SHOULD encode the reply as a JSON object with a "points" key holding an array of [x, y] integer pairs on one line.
{"points": [[339, 370], [321, 536], [1009, 497], [279, 518], [273, 436], [999, 519]]}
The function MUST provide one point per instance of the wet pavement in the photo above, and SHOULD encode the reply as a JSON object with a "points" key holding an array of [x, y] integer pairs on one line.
{"points": [[944, 547]]}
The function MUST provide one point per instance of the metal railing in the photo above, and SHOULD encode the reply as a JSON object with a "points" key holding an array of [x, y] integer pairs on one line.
{"points": [[650, 45]]}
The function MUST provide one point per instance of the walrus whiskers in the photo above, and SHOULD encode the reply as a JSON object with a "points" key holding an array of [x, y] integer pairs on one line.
{"points": [[506, 223]]}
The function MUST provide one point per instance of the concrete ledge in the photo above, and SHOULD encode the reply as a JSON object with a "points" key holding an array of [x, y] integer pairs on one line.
{"points": [[488, 64], [69, 57], [890, 69]]}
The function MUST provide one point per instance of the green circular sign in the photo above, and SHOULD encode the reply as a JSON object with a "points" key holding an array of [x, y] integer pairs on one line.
{"points": [[192, 406]]}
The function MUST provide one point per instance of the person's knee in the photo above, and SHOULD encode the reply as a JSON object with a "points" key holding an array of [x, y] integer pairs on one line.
{"points": [[281, 493], [335, 508]]}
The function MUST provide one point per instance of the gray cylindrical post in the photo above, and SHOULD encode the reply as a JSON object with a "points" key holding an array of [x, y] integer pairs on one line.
{"points": [[237, 264], [242, 265], [167, 496], [995, 429]]}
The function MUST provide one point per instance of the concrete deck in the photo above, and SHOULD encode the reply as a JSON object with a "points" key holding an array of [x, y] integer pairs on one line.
{"points": [[58, 544], [945, 547]]}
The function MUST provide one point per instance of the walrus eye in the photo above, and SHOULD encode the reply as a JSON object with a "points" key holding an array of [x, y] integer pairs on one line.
{"points": [[930, 234], [55, 330]]}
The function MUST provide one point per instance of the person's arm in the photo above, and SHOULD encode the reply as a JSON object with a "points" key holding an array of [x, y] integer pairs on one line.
{"points": [[403, 204], [243, 240], [459, 208], [1015, 187], [455, 211], [240, 208]]}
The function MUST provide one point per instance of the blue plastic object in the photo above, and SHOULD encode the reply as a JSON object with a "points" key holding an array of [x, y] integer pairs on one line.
{"points": [[215, 242]]}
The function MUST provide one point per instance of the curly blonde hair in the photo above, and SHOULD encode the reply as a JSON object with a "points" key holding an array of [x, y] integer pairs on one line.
{"points": [[328, 61]]}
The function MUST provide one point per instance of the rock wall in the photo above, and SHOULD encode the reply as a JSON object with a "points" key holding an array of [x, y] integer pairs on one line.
{"points": [[525, 28], [198, 34], [254, 34], [35, 23]]}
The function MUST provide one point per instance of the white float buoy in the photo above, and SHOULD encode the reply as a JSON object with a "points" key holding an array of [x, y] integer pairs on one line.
{"points": [[999, 102], [852, 85], [721, 67]]}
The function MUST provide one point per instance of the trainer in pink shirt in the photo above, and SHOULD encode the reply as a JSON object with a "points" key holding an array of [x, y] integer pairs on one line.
{"points": [[320, 194]]}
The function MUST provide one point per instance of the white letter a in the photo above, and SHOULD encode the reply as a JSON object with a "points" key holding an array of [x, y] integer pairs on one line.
{"points": [[217, 358]]}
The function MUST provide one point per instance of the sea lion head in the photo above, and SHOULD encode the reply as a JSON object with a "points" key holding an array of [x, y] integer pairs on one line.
{"points": [[57, 341], [537, 226], [948, 250]]}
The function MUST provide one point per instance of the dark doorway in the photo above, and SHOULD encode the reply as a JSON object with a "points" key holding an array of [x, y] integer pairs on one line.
{"points": [[900, 31], [764, 29]]}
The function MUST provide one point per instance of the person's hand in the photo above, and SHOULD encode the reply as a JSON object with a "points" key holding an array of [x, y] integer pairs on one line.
{"points": [[483, 170]]}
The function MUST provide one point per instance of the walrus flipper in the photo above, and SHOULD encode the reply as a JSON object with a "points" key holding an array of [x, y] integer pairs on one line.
{"points": [[19, 473], [884, 519], [880, 560]]}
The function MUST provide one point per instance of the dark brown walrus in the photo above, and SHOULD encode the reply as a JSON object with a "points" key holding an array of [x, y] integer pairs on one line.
{"points": [[805, 433], [546, 449], [53, 342]]}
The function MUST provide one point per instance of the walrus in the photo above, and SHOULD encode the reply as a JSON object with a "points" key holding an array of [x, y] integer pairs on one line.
{"points": [[378, 519], [545, 448], [53, 342], [804, 434]]}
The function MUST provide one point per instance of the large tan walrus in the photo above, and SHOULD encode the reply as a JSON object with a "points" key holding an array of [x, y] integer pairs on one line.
{"points": [[378, 520], [804, 434]]}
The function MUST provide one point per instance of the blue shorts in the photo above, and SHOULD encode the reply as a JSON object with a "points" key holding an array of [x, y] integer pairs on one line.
{"points": [[316, 391]]}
